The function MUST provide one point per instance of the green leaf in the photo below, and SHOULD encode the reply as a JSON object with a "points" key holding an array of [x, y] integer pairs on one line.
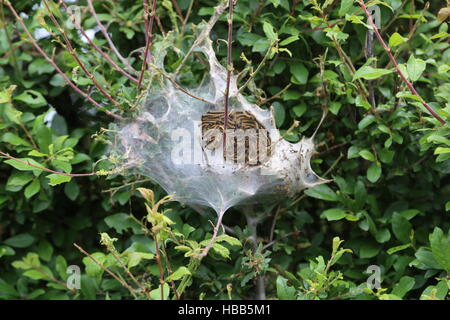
{"points": [[221, 250], [14, 139], [403, 286], [374, 172], [32, 189], [134, 258], [40, 66], [89, 287], [334, 214], [33, 99], [366, 121], [366, 154], [56, 179], [269, 31], [396, 39], [19, 179], [426, 258], [6, 251], [289, 40], [346, 6], [284, 292], [72, 190], [440, 247], [24, 166], [299, 73], [93, 269], [156, 293], [398, 248], [415, 68], [230, 240], [22, 240], [279, 113], [45, 250], [121, 222], [370, 73], [322, 192], [178, 274], [401, 227]]}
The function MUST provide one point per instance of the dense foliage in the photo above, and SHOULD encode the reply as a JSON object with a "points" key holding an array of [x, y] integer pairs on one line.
{"points": [[389, 161]]}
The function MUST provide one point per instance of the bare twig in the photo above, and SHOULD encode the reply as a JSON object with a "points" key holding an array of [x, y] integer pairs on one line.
{"points": [[73, 53], [52, 62], [148, 38], [170, 272], [276, 95], [176, 85], [394, 62], [218, 11], [107, 37], [229, 71], [258, 68], [144, 291], [158, 260], [100, 51], [178, 9], [186, 18], [214, 236], [122, 282]]}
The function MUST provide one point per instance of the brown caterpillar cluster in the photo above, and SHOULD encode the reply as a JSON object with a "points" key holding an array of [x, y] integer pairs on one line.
{"points": [[244, 131]]}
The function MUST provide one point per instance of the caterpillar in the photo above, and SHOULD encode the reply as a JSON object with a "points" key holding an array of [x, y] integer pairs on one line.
{"points": [[246, 137]]}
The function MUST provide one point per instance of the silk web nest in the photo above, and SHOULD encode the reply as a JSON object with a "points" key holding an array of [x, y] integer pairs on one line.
{"points": [[167, 141]]}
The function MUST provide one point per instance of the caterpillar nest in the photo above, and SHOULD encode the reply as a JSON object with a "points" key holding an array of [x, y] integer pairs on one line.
{"points": [[176, 140]]}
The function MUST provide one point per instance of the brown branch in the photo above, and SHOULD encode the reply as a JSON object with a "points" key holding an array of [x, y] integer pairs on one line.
{"points": [[52, 62], [148, 37], [229, 71], [46, 169], [73, 53], [100, 51], [394, 62]]}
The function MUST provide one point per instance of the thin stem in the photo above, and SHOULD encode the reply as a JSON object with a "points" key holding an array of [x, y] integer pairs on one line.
{"points": [[158, 260], [73, 53], [52, 62], [276, 95], [148, 38], [394, 62], [107, 37], [176, 85], [169, 271], [144, 291], [186, 18], [100, 51], [258, 68], [8, 37], [178, 9], [218, 11], [46, 169], [229, 72], [122, 282], [214, 236]]}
